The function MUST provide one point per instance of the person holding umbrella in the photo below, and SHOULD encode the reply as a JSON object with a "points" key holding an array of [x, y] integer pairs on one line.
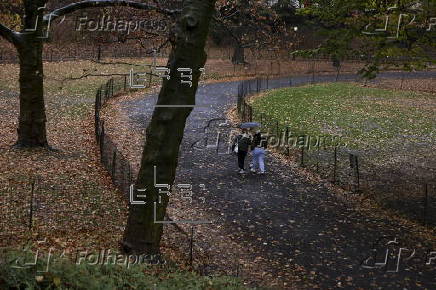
{"points": [[241, 146]]}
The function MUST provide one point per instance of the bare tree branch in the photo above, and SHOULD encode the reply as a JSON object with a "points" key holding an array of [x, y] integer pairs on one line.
{"points": [[86, 75], [236, 38], [220, 21], [119, 62], [150, 51], [10, 35], [153, 35], [105, 3]]}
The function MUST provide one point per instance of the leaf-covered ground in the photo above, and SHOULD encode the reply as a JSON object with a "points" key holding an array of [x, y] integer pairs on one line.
{"points": [[307, 233], [75, 205]]}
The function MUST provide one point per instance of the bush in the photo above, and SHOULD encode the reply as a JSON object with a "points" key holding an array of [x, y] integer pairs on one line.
{"points": [[64, 274]]}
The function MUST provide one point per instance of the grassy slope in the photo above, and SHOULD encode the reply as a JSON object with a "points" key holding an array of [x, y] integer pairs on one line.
{"points": [[365, 117]]}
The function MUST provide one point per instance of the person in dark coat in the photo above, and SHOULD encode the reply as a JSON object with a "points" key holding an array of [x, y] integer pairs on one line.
{"points": [[243, 143]]}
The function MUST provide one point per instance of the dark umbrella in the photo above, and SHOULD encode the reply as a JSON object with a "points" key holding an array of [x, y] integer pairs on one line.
{"points": [[249, 125]]}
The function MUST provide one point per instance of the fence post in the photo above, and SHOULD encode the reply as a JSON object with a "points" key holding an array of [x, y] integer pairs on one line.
{"points": [[96, 114], [31, 204], [335, 164], [354, 165], [425, 203], [114, 164], [357, 174], [191, 244], [302, 156], [317, 158], [313, 69], [106, 93], [125, 82], [102, 140], [99, 53], [286, 141], [112, 88]]}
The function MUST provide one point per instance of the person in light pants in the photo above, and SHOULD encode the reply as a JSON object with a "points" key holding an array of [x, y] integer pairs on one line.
{"points": [[258, 159]]}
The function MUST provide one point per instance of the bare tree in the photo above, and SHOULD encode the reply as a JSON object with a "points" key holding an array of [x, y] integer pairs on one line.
{"points": [[250, 24]]}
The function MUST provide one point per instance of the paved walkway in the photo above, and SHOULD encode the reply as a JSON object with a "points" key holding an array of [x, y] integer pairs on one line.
{"points": [[292, 221]]}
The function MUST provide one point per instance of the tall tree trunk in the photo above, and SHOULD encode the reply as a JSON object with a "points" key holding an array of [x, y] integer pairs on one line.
{"points": [[238, 54], [32, 120], [165, 131]]}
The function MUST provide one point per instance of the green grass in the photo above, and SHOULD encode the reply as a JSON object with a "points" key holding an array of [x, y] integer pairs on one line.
{"points": [[66, 274], [364, 117]]}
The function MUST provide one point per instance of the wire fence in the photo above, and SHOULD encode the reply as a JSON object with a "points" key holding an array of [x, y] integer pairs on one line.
{"points": [[340, 165], [27, 209], [406, 189], [96, 52], [116, 164], [121, 172]]}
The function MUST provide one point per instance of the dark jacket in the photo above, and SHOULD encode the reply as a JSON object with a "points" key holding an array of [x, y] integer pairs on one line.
{"points": [[243, 143], [256, 140], [259, 141]]}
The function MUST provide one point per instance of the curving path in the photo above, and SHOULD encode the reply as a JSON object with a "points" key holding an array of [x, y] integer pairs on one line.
{"points": [[291, 221]]}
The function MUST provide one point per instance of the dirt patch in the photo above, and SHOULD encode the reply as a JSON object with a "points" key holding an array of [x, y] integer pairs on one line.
{"points": [[411, 84]]}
